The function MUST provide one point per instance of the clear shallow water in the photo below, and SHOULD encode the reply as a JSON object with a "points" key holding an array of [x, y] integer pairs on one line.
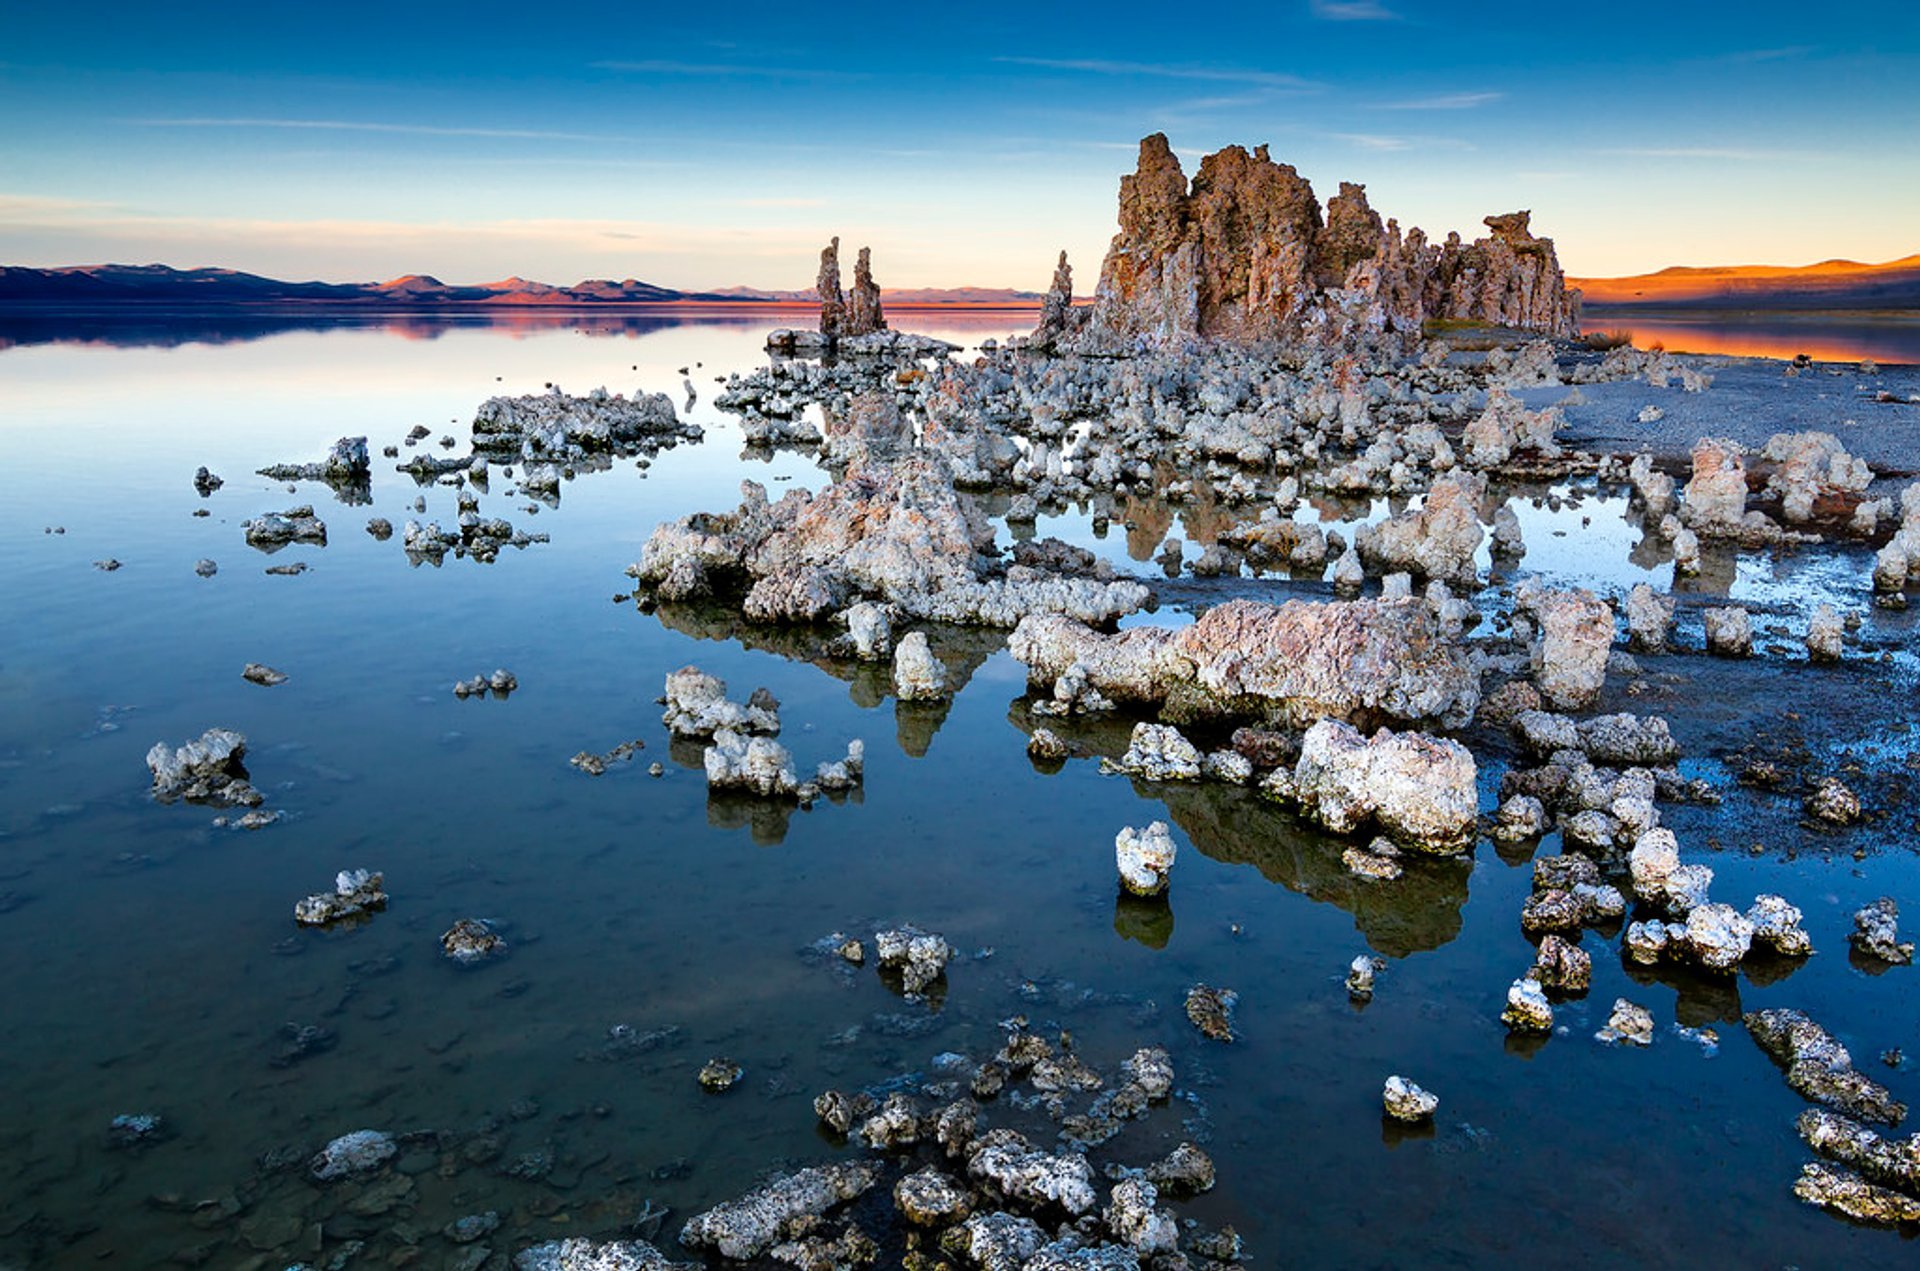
{"points": [[152, 959]]}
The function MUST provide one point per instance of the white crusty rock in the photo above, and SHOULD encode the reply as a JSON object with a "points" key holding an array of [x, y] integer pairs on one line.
{"points": [[1729, 631], [697, 706], [747, 1227], [1419, 790], [917, 674], [919, 956], [1715, 500], [755, 765], [1814, 475], [869, 630], [578, 1254], [1718, 936], [1021, 1172], [544, 427], [929, 1198], [355, 892], [1145, 858], [1831, 801], [1776, 925], [1649, 618], [1876, 932], [1436, 540], [1628, 1023], [1360, 660], [206, 770], [295, 525], [1527, 1009], [1404, 1101], [1135, 1220], [1157, 752], [1570, 655], [1825, 634]]}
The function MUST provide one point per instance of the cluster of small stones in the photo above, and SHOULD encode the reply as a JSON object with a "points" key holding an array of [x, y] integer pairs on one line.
{"points": [[966, 1194], [741, 755]]}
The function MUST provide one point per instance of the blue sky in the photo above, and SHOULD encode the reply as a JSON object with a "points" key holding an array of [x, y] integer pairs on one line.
{"points": [[711, 146]]}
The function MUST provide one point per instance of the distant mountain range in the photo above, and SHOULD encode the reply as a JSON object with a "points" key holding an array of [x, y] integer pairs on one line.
{"points": [[162, 284], [1831, 284]]}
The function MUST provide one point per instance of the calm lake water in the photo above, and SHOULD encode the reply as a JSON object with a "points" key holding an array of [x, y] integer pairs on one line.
{"points": [[153, 962], [1887, 338]]}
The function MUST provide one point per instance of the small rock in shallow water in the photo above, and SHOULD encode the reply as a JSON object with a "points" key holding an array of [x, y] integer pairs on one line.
{"points": [[263, 675], [1527, 1010], [106, 566], [1845, 1192], [747, 1227], [930, 1198], [1404, 1101], [355, 892], [207, 770], [1379, 861], [1832, 802], [205, 568], [135, 1129], [1045, 745], [469, 940], [1211, 1011], [919, 956], [1145, 858], [1360, 975], [1876, 932], [717, 1075], [1628, 1023]]}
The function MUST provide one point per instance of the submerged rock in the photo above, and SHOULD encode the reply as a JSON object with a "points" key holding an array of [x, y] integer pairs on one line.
{"points": [[263, 675], [718, 1075], [586, 1255], [357, 1153], [1628, 1023], [295, 525], [1211, 1011]]}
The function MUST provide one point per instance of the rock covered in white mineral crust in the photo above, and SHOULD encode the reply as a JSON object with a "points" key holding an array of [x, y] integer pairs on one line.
{"points": [[1715, 500], [1776, 926], [753, 765], [1293, 663], [1846, 1193], [869, 630], [1831, 801], [205, 770], [1436, 540], [295, 525], [1729, 631], [1628, 1023], [1527, 1009], [1145, 858], [1158, 752], [1570, 656], [1649, 618], [355, 892], [578, 1254], [917, 674], [1135, 1220], [1876, 932], [931, 1198], [1814, 475], [919, 956], [697, 706], [471, 940], [1819, 1068], [1419, 790], [542, 428], [747, 1227], [1021, 1172], [1826, 634], [1405, 1101]]}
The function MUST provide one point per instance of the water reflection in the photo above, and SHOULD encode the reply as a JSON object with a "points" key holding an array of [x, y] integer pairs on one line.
{"points": [[1888, 338]]}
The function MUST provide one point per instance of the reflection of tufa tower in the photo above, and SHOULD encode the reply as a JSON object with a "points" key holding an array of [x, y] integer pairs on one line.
{"points": [[839, 316]]}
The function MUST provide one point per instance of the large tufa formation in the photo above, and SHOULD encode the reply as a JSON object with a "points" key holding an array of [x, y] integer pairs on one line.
{"points": [[843, 315], [1242, 254]]}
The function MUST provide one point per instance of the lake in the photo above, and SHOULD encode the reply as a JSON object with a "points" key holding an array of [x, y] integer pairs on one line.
{"points": [[154, 967]]}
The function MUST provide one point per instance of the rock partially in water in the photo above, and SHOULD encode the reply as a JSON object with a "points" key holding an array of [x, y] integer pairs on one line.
{"points": [[1776, 926], [1380, 861], [1405, 1101], [1134, 1218], [1876, 932], [1360, 976], [1819, 1067], [1436, 540], [263, 675], [1018, 1171], [1629, 1023], [587, 1255], [470, 940], [1158, 752], [355, 892], [1846, 1193], [359, 1152], [554, 426], [1145, 858], [1575, 636], [917, 674], [1291, 664], [1888, 1162], [1000, 1241], [207, 770], [346, 464], [1561, 965], [919, 956], [1814, 476], [137, 1129], [749, 1226], [1420, 790], [756, 765], [697, 706], [1649, 618], [277, 529], [931, 1198], [1527, 1009], [1211, 1011], [718, 1075], [1833, 803], [1826, 634], [1715, 500], [205, 482], [1729, 631], [596, 765]]}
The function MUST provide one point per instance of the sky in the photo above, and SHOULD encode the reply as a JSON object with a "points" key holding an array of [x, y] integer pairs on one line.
{"points": [[717, 145]]}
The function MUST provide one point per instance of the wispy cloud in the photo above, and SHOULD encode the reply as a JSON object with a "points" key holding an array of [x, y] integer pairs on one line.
{"points": [[721, 70], [1352, 11], [1371, 141], [1164, 70], [361, 125], [19, 205], [774, 202], [1770, 55], [1442, 101]]}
